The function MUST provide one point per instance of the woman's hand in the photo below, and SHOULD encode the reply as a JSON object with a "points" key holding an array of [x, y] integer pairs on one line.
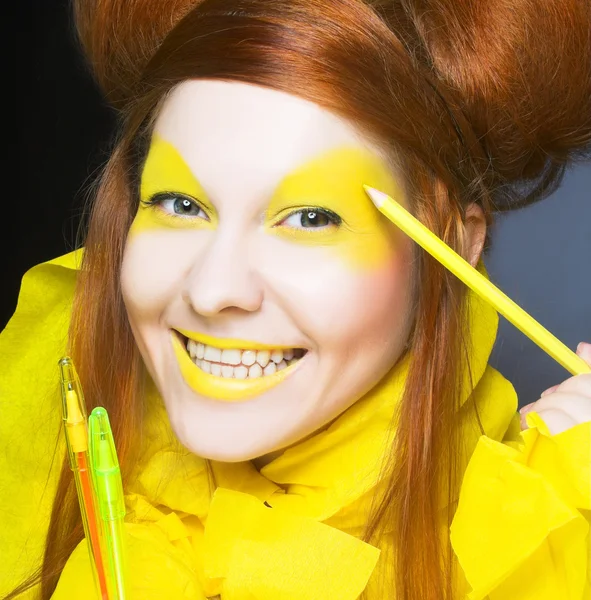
{"points": [[565, 405]]}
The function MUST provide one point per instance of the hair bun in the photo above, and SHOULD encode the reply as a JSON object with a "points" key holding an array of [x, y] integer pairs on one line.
{"points": [[119, 38], [523, 72], [519, 72]]}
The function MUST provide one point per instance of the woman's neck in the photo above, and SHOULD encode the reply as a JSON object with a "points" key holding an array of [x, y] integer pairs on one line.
{"points": [[261, 461]]}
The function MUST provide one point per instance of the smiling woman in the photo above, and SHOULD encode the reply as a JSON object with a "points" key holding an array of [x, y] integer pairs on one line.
{"points": [[238, 257], [300, 397]]}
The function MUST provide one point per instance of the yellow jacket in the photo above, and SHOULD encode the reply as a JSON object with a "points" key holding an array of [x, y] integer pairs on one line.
{"points": [[290, 531]]}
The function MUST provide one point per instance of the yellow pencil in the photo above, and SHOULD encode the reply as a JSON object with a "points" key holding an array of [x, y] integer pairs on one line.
{"points": [[477, 282]]}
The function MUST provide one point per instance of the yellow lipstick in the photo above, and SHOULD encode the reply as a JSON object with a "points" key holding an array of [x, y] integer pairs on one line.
{"points": [[227, 343], [223, 388]]}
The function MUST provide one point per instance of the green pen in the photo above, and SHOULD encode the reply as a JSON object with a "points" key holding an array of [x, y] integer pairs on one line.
{"points": [[111, 505]]}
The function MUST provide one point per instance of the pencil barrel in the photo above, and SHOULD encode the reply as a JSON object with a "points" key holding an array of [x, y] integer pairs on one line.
{"points": [[483, 287]]}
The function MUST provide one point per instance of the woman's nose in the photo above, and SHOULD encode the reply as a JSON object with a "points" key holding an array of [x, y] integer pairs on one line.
{"points": [[223, 277]]}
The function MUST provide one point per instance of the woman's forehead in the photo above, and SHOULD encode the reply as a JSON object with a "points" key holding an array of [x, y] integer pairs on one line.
{"points": [[231, 133]]}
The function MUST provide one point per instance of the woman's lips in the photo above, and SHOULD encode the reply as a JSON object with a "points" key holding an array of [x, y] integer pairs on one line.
{"points": [[232, 373], [228, 343]]}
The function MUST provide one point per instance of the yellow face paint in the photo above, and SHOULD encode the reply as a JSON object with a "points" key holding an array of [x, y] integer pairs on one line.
{"points": [[166, 171], [334, 181]]}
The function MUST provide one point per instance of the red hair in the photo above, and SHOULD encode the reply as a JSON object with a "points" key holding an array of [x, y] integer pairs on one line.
{"points": [[477, 102]]}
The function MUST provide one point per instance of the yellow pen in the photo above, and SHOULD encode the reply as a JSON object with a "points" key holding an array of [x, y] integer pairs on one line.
{"points": [[477, 282], [76, 429]]}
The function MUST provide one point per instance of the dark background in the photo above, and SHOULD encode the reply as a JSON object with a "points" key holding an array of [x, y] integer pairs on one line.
{"points": [[541, 256], [62, 132]]}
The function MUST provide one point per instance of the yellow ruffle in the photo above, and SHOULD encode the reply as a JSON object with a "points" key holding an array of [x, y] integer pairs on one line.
{"points": [[247, 541], [30, 347], [521, 530], [161, 565], [247, 550]]}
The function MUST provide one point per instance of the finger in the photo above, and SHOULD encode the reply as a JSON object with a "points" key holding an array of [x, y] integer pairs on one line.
{"points": [[556, 420], [522, 420], [578, 407], [579, 384], [523, 411], [584, 351]]}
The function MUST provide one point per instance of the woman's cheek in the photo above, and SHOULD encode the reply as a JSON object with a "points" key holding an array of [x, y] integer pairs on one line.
{"points": [[372, 302], [152, 269], [335, 298]]}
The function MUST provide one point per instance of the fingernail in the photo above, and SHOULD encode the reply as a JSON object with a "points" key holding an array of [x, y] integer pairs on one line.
{"points": [[548, 391], [525, 409]]}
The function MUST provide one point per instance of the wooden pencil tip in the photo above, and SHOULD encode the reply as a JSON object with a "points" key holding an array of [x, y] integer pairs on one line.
{"points": [[377, 197]]}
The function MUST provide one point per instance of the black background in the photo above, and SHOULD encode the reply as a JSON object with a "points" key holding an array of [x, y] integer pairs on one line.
{"points": [[63, 132]]}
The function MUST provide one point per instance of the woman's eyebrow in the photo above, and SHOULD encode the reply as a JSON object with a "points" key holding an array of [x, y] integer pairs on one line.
{"points": [[316, 171], [166, 167]]}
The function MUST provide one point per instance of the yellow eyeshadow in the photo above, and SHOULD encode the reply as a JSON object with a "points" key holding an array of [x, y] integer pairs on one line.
{"points": [[165, 170], [334, 181]]}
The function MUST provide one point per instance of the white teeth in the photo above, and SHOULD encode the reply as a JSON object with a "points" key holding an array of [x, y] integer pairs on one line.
{"points": [[249, 357], [255, 371], [240, 372], [212, 354], [277, 356], [270, 369], [233, 363], [231, 357], [263, 357], [192, 348]]}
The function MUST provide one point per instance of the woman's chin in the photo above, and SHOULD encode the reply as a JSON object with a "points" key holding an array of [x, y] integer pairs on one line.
{"points": [[233, 452]]}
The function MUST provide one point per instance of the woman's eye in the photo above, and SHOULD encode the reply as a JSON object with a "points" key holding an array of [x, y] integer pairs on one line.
{"points": [[312, 218], [178, 205]]}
